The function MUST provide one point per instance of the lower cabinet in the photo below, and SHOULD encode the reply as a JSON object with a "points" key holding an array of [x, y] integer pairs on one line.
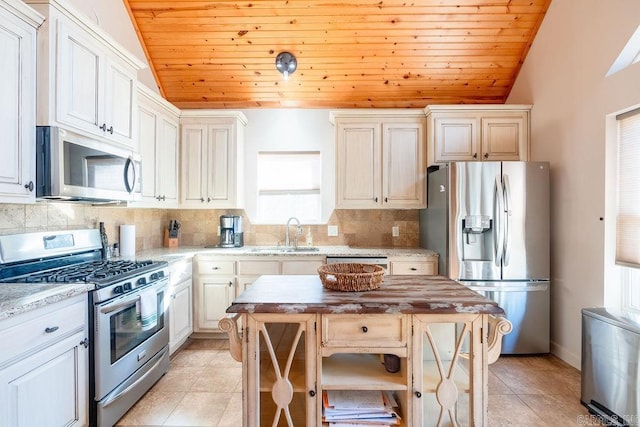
{"points": [[44, 366], [180, 303], [412, 265]]}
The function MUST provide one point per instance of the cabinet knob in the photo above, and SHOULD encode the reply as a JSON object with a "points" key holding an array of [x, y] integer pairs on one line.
{"points": [[364, 329], [29, 186], [208, 199], [201, 199], [85, 342], [110, 130], [413, 269], [215, 268], [163, 198], [386, 200], [312, 393], [418, 394], [51, 329], [475, 155], [486, 155], [103, 128], [375, 199]]}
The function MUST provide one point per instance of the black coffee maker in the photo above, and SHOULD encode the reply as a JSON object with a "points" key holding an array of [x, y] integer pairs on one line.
{"points": [[238, 233]]}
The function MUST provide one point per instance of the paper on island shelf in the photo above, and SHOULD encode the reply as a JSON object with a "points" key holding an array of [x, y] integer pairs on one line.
{"points": [[355, 399]]}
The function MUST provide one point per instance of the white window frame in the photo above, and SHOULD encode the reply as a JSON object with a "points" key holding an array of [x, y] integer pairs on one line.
{"points": [[289, 189]]}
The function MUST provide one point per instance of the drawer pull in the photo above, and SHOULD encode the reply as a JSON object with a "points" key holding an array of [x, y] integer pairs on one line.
{"points": [[413, 269], [215, 268], [364, 329], [51, 329]]}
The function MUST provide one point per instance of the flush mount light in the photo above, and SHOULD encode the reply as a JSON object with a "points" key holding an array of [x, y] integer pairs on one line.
{"points": [[286, 63]]}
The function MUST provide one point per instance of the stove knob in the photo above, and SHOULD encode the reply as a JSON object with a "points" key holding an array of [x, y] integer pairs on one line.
{"points": [[154, 276], [127, 286], [118, 290], [141, 281], [160, 274]]}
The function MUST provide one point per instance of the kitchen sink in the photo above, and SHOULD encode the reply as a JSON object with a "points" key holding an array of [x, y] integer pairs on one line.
{"points": [[285, 249]]}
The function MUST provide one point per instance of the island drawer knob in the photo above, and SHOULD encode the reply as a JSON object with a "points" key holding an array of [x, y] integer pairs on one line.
{"points": [[365, 329], [312, 393], [418, 394]]}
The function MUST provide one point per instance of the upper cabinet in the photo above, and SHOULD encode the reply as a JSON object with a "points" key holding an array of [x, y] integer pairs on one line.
{"points": [[212, 152], [380, 157], [158, 130], [472, 132], [87, 81], [18, 24]]}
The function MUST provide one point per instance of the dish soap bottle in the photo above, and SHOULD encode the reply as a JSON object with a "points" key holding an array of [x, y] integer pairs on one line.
{"points": [[309, 237]]}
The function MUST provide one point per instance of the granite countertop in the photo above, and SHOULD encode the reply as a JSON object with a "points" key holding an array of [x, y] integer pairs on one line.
{"points": [[397, 294], [174, 254], [17, 298]]}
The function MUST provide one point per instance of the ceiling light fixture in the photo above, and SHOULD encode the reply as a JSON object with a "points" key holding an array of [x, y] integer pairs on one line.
{"points": [[286, 63]]}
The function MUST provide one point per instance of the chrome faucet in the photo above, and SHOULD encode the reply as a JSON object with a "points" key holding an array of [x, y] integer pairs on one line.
{"points": [[287, 242]]}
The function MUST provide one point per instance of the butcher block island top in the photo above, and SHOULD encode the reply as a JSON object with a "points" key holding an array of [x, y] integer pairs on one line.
{"points": [[397, 294], [423, 342]]}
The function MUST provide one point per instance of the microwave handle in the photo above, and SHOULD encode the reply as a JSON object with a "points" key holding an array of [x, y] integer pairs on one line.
{"points": [[129, 185]]}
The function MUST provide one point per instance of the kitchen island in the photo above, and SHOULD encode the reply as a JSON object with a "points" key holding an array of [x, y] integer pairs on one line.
{"points": [[299, 340]]}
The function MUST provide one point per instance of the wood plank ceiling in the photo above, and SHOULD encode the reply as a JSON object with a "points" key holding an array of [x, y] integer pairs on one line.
{"points": [[351, 54]]}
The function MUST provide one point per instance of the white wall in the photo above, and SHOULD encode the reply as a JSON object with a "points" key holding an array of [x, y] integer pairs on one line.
{"points": [[289, 130], [112, 16], [564, 78]]}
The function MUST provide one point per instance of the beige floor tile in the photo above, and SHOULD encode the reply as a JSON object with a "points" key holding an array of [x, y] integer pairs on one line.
{"points": [[509, 410], [153, 409], [178, 378], [214, 379], [556, 410], [232, 416], [194, 358], [198, 409]]}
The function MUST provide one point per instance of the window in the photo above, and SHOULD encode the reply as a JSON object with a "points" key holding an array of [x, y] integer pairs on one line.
{"points": [[628, 207], [289, 185]]}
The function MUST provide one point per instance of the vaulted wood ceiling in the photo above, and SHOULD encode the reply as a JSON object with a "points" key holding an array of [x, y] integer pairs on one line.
{"points": [[351, 54]]}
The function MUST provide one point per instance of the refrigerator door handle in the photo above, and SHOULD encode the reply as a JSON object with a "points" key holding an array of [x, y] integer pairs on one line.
{"points": [[498, 241], [507, 221]]}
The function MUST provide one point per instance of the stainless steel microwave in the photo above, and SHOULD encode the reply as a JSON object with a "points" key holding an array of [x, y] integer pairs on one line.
{"points": [[73, 167]]}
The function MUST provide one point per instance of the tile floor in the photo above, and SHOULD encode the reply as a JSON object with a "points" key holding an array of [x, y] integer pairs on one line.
{"points": [[203, 388]]}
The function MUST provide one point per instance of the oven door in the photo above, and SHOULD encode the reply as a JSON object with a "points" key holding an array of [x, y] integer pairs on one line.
{"points": [[122, 344]]}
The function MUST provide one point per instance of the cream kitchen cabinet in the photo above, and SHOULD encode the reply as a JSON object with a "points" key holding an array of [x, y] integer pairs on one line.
{"points": [[44, 366], [380, 159], [159, 150], [180, 303], [212, 146], [86, 80], [411, 265], [471, 132], [214, 290], [18, 24]]}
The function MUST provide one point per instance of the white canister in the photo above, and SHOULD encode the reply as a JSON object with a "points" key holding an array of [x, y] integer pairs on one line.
{"points": [[127, 240]]}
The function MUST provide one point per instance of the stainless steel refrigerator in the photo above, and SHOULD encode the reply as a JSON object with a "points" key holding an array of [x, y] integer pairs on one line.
{"points": [[489, 221]]}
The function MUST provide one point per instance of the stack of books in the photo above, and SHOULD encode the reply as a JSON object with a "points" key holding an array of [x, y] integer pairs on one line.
{"points": [[359, 408]]}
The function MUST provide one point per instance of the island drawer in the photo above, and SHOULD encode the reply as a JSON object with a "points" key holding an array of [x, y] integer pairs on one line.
{"points": [[372, 331], [205, 266]]}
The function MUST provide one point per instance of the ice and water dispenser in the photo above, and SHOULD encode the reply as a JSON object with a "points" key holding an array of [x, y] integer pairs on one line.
{"points": [[477, 238]]}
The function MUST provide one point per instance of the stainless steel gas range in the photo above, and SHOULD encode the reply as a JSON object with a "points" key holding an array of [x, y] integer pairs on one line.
{"points": [[128, 316]]}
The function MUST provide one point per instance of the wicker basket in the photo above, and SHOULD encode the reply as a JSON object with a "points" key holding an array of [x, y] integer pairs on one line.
{"points": [[351, 277]]}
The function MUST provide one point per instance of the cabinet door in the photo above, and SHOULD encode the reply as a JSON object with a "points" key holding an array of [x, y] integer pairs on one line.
{"points": [[180, 314], [194, 164], [503, 138], [403, 173], [456, 138], [167, 161], [79, 89], [119, 104], [147, 135], [214, 296], [359, 171], [47, 388], [220, 162], [17, 110]]}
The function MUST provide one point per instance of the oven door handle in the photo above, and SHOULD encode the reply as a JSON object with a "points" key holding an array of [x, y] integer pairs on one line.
{"points": [[110, 308]]}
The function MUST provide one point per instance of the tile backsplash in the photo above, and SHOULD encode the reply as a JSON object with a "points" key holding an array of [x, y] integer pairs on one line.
{"points": [[359, 228]]}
